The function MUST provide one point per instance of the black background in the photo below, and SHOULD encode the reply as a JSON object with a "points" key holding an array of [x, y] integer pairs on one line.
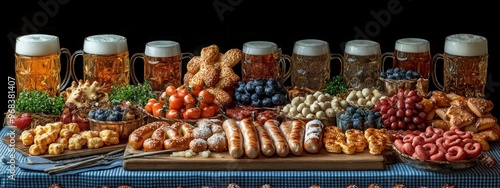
{"points": [[230, 23]]}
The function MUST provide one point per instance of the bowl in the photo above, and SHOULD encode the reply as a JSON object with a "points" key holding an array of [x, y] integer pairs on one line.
{"points": [[123, 128], [444, 166], [391, 86]]}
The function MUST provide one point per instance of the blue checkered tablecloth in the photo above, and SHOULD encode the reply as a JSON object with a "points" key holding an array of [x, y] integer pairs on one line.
{"points": [[478, 176]]}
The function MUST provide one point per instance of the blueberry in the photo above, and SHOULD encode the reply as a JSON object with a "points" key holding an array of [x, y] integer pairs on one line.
{"points": [[101, 117], [267, 102], [415, 74], [360, 111], [99, 111], [107, 112], [119, 115], [279, 86], [260, 90], [271, 82], [402, 72], [278, 99], [397, 76], [240, 89], [383, 75], [391, 77], [396, 70], [370, 117], [112, 117], [92, 114], [256, 103], [258, 82], [343, 116], [269, 90], [350, 109], [356, 124], [117, 108], [389, 71], [237, 96], [246, 99], [240, 83], [249, 88], [377, 115], [356, 116], [368, 124], [254, 96]]}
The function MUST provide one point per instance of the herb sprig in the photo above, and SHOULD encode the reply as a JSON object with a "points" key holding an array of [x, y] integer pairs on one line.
{"points": [[135, 94], [36, 101], [335, 86]]}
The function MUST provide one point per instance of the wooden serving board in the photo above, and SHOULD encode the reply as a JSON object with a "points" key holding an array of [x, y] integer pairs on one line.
{"points": [[68, 154], [223, 161]]}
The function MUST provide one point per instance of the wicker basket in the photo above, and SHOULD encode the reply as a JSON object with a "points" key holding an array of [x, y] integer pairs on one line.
{"points": [[151, 118], [37, 119], [123, 128]]}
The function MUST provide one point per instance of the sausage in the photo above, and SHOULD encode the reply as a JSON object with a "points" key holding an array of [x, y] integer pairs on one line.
{"points": [[137, 137], [279, 141], [313, 140], [234, 138], [294, 134], [250, 138], [266, 144]]}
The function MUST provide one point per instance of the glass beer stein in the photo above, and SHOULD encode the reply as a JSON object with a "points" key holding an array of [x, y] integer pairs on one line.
{"points": [[412, 54], [162, 64], [362, 64], [105, 60], [38, 64], [311, 63], [263, 59], [465, 66]]}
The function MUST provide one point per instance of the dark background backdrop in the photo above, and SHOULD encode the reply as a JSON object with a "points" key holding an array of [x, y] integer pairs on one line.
{"points": [[230, 23]]}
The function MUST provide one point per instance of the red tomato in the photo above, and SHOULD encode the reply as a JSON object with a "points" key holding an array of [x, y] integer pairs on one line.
{"points": [[170, 90], [182, 91], [163, 97], [158, 110], [189, 99], [173, 114], [195, 89], [23, 121], [192, 113], [209, 111], [206, 97], [175, 102]]}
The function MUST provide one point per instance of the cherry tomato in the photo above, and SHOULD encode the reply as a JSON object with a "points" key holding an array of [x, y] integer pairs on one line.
{"points": [[158, 110], [203, 105], [170, 90], [149, 106], [182, 91], [206, 97], [175, 102], [22, 121], [194, 89], [192, 113], [163, 97], [189, 99], [173, 114], [209, 111]]}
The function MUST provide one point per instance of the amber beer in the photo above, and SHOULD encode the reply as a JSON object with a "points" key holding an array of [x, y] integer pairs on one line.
{"points": [[162, 64], [38, 63], [311, 63], [105, 59], [362, 64], [263, 59], [465, 65], [412, 54]]}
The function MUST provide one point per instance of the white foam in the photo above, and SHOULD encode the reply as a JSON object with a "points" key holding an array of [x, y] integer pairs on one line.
{"points": [[105, 44], [37, 45], [259, 48], [362, 47], [311, 47], [412, 45], [162, 48], [466, 45]]}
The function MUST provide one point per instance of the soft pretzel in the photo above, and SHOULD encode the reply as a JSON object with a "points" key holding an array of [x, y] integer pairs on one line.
{"points": [[173, 142]]}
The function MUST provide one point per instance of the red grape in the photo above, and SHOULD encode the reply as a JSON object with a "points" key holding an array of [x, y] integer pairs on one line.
{"points": [[391, 111], [412, 93], [409, 113], [411, 126], [417, 120], [400, 113], [400, 105], [422, 115], [393, 119], [407, 119], [394, 126]]}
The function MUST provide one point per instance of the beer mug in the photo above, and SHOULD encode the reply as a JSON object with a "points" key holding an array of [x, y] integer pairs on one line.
{"points": [[465, 65], [162, 64], [412, 54], [263, 59], [105, 60], [38, 63], [362, 64], [311, 63]]}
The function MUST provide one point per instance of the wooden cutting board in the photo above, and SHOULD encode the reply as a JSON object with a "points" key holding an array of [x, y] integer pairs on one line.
{"points": [[68, 154], [223, 161]]}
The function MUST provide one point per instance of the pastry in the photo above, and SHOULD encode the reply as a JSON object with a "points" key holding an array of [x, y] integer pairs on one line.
{"points": [[56, 149], [479, 106]]}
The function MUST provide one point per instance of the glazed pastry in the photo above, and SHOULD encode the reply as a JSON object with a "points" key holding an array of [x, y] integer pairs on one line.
{"points": [[76, 142], [63, 141], [56, 149], [109, 137], [72, 127], [94, 143], [36, 150], [27, 137]]}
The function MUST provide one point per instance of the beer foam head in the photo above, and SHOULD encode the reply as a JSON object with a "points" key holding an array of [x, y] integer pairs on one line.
{"points": [[105, 44], [162, 48], [466, 45], [412, 45], [37, 45], [259, 48], [362, 47], [311, 47]]}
